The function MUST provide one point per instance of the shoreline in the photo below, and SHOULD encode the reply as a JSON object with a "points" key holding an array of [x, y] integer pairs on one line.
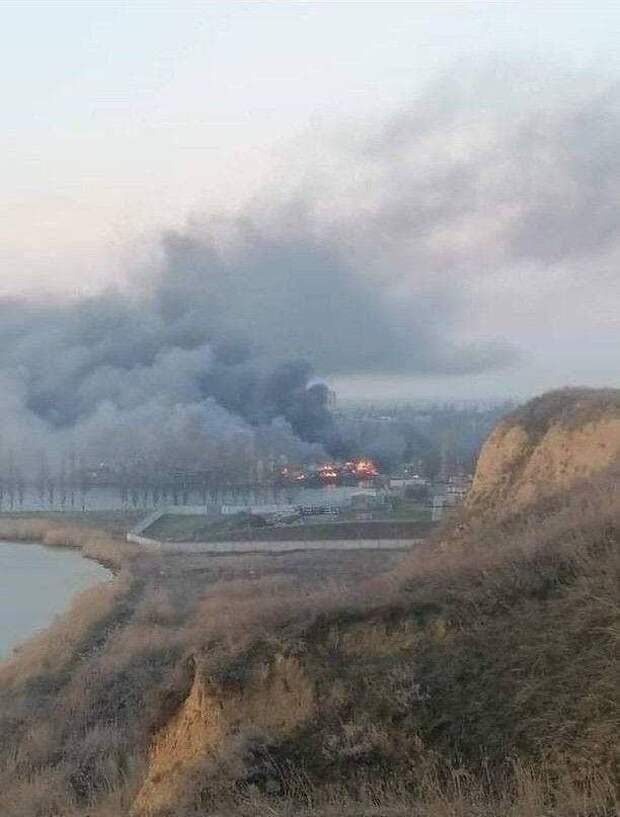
{"points": [[112, 567], [46, 596], [94, 544]]}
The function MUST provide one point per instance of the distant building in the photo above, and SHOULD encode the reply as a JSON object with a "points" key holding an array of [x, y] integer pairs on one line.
{"points": [[437, 507], [368, 500], [408, 486], [267, 512], [449, 494]]}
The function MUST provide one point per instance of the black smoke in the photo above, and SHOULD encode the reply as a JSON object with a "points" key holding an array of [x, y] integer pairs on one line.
{"points": [[382, 265]]}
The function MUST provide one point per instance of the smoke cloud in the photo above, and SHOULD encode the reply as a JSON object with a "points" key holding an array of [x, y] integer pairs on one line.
{"points": [[383, 254]]}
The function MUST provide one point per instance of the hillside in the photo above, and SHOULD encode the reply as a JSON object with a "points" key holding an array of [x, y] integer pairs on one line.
{"points": [[474, 676], [547, 446]]}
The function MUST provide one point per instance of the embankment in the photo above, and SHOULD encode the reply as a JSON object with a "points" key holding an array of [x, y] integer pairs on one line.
{"points": [[108, 549]]}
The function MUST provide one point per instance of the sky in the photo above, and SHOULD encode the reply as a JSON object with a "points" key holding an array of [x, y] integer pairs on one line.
{"points": [[125, 120]]}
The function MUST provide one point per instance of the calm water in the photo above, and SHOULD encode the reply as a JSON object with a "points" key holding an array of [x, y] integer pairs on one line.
{"points": [[36, 583]]}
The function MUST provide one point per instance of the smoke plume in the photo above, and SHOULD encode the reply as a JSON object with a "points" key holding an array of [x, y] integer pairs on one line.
{"points": [[387, 258]]}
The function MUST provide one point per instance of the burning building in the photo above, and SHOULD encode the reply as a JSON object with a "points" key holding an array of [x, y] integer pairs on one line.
{"points": [[352, 473]]}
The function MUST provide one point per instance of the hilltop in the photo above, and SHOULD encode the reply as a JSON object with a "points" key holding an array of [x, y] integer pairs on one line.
{"points": [[474, 676], [545, 447]]}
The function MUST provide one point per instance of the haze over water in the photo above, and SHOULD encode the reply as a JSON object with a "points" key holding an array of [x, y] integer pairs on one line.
{"points": [[36, 584]]}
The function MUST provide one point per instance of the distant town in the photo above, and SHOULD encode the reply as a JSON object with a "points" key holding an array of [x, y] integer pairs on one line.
{"points": [[404, 459]]}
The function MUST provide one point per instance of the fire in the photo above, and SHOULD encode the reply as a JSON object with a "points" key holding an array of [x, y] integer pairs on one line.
{"points": [[332, 472], [292, 474], [362, 468], [328, 472]]}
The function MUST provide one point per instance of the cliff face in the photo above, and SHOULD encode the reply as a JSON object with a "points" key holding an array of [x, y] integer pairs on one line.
{"points": [[275, 698], [550, 444]]}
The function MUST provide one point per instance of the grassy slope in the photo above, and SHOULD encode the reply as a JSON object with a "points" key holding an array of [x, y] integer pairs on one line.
{"points": [[571, 407], [497, 651], [473, 677], [194, 529]]}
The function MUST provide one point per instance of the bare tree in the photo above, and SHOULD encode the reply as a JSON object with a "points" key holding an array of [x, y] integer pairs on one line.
{"points": [[42, 478], [11, 480], [84, 481], [72, 478], [62, 484]]}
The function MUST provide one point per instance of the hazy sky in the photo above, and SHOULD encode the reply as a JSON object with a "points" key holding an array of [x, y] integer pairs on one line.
{"points": [[123, 119]]}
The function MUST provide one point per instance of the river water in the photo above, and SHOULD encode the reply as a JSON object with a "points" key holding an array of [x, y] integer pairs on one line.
{"points": [[36, 583]]}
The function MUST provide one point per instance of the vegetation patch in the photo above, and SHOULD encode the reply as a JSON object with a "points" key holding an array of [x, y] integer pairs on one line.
{"points": [[182, 528], [571, 407]]}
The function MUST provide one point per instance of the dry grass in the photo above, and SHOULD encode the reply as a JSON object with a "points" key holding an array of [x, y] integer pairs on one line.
{"points": [[79, 703], [571, 407], [95, 544], [475, 678], [528, 792]]}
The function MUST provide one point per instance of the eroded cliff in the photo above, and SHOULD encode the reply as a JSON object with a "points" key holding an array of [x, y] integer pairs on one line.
{"points": [[546, 447]]}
